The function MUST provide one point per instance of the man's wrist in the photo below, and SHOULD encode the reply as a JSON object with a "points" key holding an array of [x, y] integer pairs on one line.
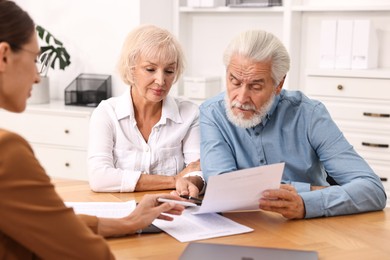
{"points": [[194, 173], [198, 181]]}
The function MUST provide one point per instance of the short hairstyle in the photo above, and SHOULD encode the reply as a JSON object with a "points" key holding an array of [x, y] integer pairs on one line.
{"points": [[260, 46], [152, 42], [16, 26]]}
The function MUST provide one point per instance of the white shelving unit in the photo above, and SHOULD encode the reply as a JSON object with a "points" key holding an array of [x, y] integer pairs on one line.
{"points": [[359, 100], [205, 33]]}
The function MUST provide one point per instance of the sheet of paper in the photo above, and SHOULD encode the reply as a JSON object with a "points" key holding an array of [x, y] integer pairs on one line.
{"points": [[240, 190], [103, 209], [189, 227]]}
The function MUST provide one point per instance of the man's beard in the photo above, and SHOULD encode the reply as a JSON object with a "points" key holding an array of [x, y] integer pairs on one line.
{"points": [[239, 119]]}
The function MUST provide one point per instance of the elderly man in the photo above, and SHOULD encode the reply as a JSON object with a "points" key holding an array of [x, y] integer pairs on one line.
{"points": [[255, 122]]}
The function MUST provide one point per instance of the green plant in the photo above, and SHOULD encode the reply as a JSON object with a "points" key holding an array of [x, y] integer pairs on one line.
{"points": [[53, 53]]}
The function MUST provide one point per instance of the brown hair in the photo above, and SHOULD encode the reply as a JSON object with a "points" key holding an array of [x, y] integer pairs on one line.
{"points": [[16, 26]]}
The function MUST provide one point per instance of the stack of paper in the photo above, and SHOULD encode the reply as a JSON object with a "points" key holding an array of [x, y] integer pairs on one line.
{"points": [[239, 190]]}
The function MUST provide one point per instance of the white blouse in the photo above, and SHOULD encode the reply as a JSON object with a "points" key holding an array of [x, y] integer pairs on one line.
{"points": [[118, 154]]}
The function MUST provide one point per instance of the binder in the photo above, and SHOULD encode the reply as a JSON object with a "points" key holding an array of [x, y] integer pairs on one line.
{"points": [[328, 44], [365, 45], [344, 44]]}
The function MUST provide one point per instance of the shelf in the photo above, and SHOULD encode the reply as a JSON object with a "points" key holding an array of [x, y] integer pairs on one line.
{"points": [[59, 107], [368, 73], [356, 8], [205, 31], [226, 9]]}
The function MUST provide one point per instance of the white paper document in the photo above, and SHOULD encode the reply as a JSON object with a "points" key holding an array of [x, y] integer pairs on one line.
{"points": [[234, 191], [240, 190], [189, 227], [103, 209]]}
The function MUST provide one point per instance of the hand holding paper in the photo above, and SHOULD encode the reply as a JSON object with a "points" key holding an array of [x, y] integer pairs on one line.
{"points": [[285, 201], [240, 190]]}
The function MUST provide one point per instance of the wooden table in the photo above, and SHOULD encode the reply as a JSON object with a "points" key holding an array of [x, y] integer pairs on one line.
{"points": [[360, 236]]}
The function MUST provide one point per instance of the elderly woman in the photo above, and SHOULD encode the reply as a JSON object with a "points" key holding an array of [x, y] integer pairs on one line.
{"points": [[34, 222], [146, 139]]}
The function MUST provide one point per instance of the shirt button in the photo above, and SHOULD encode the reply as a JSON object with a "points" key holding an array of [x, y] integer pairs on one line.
{"points": [[262, 161], [147, 149], [257, 134]]}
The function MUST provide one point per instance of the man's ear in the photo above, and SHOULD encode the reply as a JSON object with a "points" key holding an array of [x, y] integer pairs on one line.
{"points": [[280, 86], [5, 50]]}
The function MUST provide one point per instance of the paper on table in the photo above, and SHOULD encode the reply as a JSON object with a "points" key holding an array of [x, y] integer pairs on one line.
{"points": [[103, 209], [240, 190], [188, 227]]}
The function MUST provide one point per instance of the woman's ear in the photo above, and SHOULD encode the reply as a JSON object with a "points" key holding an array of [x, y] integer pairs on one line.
{"points": [[5, 49]]}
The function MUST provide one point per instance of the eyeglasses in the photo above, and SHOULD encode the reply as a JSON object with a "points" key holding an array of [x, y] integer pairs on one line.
{"points": [[42, 60], [43, 63]]}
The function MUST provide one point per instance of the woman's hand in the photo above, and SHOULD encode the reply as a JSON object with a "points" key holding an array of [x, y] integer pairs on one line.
{"points": [[191, 167], [149, 209], [143, 215]]}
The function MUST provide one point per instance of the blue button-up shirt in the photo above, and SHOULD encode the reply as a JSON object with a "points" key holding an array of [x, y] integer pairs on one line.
{"points": [[300, 132]]}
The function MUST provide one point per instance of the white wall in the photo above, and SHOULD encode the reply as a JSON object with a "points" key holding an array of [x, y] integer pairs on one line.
{"points": [[93, 32]]}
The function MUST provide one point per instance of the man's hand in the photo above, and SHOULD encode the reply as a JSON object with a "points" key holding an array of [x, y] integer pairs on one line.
{"points": [[188, 186], [285, 201]]}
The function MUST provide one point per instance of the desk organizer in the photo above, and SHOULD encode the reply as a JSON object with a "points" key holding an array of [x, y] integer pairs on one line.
{"points": [[88, 90]]}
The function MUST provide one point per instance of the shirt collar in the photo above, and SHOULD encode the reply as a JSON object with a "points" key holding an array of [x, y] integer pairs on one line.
{"points": [[170, 109], [272, 110], [124, 106]]}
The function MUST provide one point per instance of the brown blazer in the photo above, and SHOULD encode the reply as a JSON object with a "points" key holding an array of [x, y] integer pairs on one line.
{"points": [[34, 222]]}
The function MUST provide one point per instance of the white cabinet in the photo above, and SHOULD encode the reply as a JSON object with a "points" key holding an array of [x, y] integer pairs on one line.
{"points": [[58, 135], [360, 105], [358, 100]]}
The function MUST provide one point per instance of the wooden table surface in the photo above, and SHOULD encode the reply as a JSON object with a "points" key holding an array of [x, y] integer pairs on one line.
{"points": [[360, 236]]}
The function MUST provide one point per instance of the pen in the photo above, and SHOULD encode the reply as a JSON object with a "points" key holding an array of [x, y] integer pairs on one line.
{"points": [[191, 198]]}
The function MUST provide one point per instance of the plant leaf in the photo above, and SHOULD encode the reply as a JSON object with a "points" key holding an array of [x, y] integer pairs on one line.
{"points": [[55, 50]]}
